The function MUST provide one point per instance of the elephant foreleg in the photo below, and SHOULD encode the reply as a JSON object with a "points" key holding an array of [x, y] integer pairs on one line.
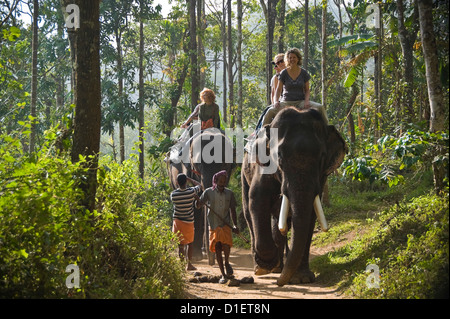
{"points": [[264, 248]]}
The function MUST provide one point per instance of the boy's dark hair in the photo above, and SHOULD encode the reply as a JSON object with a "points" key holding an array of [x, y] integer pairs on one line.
{"points": [[181, 179]]}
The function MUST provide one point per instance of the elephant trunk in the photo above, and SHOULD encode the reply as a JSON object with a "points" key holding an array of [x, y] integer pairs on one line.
{"points": [[302, 218]]}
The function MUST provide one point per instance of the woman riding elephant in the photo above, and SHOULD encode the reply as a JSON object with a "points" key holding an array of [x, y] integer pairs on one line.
{"points": [[207, 111], [293, 88], [307, 151]]}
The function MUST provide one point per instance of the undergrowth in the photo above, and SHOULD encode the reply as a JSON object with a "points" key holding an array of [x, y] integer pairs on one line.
{"points": [[403, 232], [124, 248]]}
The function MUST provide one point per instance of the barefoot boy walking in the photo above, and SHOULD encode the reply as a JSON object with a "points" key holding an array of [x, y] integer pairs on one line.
{"points": [[223, 210], [183, 215]]}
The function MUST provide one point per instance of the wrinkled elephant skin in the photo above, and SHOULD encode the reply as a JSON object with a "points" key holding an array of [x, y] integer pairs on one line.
{"points": [[308, 151]]}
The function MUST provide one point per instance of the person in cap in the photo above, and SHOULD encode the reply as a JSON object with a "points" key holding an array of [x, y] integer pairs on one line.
{"points": [[221, 216]]}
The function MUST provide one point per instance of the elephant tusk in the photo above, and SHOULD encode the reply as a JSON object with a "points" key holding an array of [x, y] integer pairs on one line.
{"points": [[319, 213], [282, 220]]}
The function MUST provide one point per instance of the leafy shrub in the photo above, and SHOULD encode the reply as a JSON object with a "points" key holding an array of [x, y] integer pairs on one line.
{"points": [[387, 160], [409, 243], [40, 220], [412, 251], [123, 248], [138, 243]]}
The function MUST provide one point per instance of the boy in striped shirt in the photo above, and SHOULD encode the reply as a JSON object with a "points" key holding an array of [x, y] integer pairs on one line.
{"points": [[183, 215]]}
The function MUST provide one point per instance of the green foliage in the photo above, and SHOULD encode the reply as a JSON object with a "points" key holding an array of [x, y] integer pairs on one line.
{"points": [[123, 248], [12, 34], [408, 242], [138, 240], [411, 248], [40, 221], [390, 157]]}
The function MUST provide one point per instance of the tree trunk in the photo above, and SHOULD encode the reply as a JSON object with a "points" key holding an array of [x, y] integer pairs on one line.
{"points": [[34, 75], [306, 49], [193, 53], [282, 23], [431, 66], [239, 62], [324, 53], [201, 27], [407, 40], [86, 135], [379, 72], [434, 85], [351, 123], [270, 12], [120, 93], [59, 76], [224, 50], [230, 63], [141, 97]]}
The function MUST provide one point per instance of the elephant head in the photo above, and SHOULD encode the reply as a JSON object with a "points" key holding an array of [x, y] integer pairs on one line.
{"points": [[210, 152], [307, 151]]}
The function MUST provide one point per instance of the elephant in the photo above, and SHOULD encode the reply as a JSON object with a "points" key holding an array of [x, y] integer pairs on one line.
{"points": [[306, 150], [209, 153]]}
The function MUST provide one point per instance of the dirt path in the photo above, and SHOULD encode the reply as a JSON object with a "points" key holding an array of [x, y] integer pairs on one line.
{"points": [[264, 287]]}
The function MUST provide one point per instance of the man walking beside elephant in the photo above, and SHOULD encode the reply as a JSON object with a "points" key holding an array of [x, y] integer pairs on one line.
{"points": [[222, 204], [183, 216]]}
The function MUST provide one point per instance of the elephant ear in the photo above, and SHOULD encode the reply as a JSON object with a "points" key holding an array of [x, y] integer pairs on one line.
{"points": [[336, 150]]}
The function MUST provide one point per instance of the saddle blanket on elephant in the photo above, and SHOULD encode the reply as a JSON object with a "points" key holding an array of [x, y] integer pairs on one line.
{"points": [[184, 230], [220, 234]]}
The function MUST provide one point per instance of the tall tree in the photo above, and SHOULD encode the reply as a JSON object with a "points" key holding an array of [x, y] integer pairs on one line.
{"points": [[201, 27], [282, 22], [116, 17], [324, 53], [270, 12], [34, 72], [378, 72], [86, 135], [195, 80], [141, 89], [407, 40], [434, 85], [225, 63], [239, 62], [306, 49], [230, 61]]}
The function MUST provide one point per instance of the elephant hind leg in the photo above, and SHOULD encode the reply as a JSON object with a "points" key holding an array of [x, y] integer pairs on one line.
{"points": [[245, 208], [280, 242]]}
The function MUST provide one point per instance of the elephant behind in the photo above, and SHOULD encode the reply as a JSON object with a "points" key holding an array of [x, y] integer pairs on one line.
{"points": [[307, 150]]}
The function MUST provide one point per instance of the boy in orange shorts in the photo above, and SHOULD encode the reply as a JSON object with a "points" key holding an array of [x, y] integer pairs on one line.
{"points": [[183, 216], [223, 204]]}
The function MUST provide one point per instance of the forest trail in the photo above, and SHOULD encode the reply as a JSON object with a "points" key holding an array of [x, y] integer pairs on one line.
{"points": [[264, 287]]}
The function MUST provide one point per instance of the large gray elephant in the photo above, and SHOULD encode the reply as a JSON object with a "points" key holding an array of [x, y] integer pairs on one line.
{"points": [[210, 151], [307, 150]]}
